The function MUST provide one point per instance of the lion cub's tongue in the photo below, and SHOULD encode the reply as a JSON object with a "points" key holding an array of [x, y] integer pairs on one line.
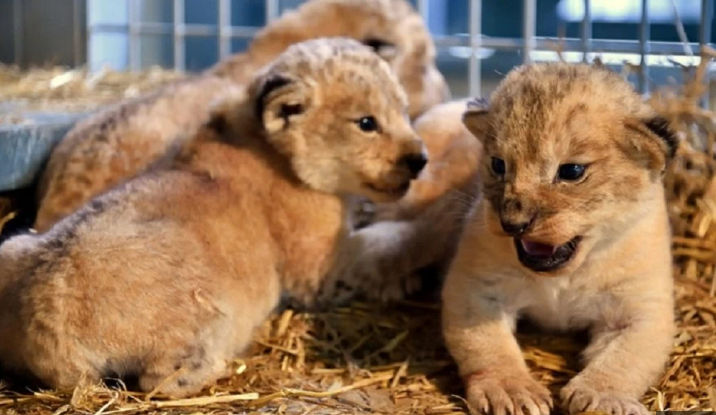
{"points": [[538, 249]]}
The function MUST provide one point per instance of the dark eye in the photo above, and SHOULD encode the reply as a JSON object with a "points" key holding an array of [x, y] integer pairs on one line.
{"points": [[570, 172], [376, 44], [368, 124], [498, 166]]}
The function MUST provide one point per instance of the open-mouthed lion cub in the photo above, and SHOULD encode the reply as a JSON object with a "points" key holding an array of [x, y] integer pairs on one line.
{"points": [[173, 270], [570, 231], [122, 141]]}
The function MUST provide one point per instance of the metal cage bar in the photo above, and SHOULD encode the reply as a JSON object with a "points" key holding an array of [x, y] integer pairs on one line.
{"points": [[570, 44], [179, 35], [224, 22], [423, 8], [707, 14], [500, 43], [644, 35], [18, 52], [149, 28], [77, 33], [529, 28], [474, 69], [272, 10], [587, 31], [133, 28]]}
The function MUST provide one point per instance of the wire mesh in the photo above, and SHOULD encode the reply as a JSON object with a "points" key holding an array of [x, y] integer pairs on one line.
{"points": [[528, 43]]}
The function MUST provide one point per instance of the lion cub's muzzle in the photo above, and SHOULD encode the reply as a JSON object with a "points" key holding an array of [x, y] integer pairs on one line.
{"points": [[395, 182], [533, 254]]}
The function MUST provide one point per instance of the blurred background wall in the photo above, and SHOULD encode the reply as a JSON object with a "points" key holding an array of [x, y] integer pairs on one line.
{"points": [[136, 34]]}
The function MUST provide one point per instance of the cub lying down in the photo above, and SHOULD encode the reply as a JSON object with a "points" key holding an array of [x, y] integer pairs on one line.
{"points": [[571, 231], [121, 142], [173, 270]]}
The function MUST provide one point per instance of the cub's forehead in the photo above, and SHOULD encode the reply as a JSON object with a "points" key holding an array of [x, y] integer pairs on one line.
{"points": [[532, 94], [344, 63], [312, 54], [332, 57]]}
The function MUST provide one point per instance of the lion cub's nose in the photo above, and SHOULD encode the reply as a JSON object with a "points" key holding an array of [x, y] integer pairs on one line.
{"points": [[415, 163], [515, 229]]}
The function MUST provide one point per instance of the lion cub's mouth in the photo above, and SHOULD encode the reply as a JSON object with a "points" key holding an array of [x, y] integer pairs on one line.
{"points": [[541, 257]]}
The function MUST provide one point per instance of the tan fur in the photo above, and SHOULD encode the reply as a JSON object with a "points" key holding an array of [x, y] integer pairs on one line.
{"points": [[453, 159], [120, 142], [438, 200], [175, 268], [618, 284]]}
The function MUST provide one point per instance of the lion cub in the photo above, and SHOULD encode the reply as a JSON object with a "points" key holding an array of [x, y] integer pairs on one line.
{"points": [[171, 272], [120, 142], [571, 232]]}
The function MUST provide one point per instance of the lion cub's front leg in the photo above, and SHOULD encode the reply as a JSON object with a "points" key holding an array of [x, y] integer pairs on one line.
{"points": [[478, 332], [622, 361], [382, 260]]}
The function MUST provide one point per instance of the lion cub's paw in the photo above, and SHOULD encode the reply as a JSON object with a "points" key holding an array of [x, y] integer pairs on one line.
{"points": [[508, 395], [364, 214], [361, 212], [579, 397], [399, 288]]}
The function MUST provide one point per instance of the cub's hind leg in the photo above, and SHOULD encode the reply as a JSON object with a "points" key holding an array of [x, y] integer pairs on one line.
{"points": [[200, 359], [197, 361], [179, 375]]}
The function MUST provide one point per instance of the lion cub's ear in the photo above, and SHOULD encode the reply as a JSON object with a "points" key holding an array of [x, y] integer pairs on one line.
{"points": [[661, 127], [655, 141], [280, 99], [477, 118], [223, 111]]}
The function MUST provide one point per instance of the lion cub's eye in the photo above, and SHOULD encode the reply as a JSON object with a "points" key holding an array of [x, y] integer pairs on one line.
{"points": [[368, 124], [498, 166], [570, 172]]}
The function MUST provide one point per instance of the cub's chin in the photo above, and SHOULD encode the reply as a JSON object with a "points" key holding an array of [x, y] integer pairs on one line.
{"points": [[376, 194], [383, 194], [374, 191], [545, 259]]}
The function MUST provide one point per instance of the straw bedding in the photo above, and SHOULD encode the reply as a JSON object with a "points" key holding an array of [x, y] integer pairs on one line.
{"points": [[391, 361], [77, 90]]}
